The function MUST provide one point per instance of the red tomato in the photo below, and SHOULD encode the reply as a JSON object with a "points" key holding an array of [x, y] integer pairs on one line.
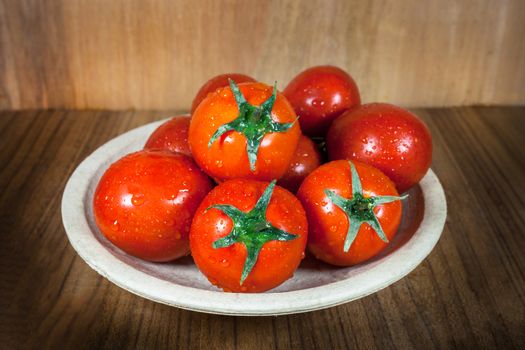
{"points": [[388, 137], [144, 203], [171, 136], [319, 95], [250, 132], [305, 159], [248, 236], [218, 82], [352, 213]]}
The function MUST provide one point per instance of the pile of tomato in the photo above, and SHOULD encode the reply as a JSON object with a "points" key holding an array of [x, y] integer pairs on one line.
{"points": [[253, 176]]}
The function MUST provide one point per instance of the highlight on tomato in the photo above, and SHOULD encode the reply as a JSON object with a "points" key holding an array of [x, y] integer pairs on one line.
{"points": [[145, 201], [319, 95], [216, 82], [306, 159], [388, 137], [171, 135], [353, 211], [248, 236], [244, 131]]}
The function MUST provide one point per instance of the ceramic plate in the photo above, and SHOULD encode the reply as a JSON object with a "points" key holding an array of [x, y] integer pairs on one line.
{"points": [[314, 286]]}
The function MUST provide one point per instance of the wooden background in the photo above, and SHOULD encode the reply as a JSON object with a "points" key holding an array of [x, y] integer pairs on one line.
{"points": [[155, 54]]}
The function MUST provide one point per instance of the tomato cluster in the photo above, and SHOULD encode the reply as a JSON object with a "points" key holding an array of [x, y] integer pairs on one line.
{"points": [[240, 185]]}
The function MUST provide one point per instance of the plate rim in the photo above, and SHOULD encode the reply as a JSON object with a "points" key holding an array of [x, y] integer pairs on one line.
{"points": [[87, 246]]}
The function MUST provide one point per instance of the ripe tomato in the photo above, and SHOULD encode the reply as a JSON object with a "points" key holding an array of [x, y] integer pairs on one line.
{"points": [[144, 203], [319, 95], [388, 137], [218, 82], [248, 236], [171, 136], [353, 210], [245, 131], [305, 159]]}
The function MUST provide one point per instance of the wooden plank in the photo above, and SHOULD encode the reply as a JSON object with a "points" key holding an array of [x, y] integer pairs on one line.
{"points": [[469, 293], [155, 54]]}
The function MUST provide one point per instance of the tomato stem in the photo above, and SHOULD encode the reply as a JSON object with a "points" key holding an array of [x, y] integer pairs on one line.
{"points": [[254, 122], [360, 209], [252, 229]]}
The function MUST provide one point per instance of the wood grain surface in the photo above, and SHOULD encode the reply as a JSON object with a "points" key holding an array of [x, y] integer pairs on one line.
{"points": [[155, 54], [469, 293]]}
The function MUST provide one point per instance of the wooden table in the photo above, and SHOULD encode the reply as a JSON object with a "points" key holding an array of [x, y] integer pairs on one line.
{"points": [[470, 291]]}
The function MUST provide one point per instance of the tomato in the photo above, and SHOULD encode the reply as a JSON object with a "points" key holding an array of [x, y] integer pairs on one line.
{"points": [[171, 136], [244, 131], [388, 137], [218, 82], [144, 203], [319, 95], [305, 159], [248, 236], [353, 210]]}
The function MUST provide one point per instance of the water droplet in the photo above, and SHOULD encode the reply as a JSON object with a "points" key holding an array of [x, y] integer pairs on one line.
{"points": [[317, 102], [137, 199], [225, 263], [333, 228], [115, 226]]}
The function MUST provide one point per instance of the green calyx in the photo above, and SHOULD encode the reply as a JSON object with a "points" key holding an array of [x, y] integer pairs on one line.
{"points": [[251, 229], [254, 122], [360, 209]]}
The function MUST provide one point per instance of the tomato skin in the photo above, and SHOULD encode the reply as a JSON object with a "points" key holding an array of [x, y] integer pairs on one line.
{"points": [[386, 136], [328, 224], [319, 95], [218, 82], [277, 260], [305, 159], [144, 203], [227, 157], [171, 135]]}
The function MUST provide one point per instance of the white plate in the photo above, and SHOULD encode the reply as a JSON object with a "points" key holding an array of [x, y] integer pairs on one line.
{"points": [[314, 286]]}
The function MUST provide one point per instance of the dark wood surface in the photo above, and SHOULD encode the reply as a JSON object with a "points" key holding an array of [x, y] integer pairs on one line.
{"points": [[469, 292]]}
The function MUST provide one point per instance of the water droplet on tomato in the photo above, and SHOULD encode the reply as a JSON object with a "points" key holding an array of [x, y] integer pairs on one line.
{"points": [[115, 226], [137, 199], [225, 263], [317, 102]]}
